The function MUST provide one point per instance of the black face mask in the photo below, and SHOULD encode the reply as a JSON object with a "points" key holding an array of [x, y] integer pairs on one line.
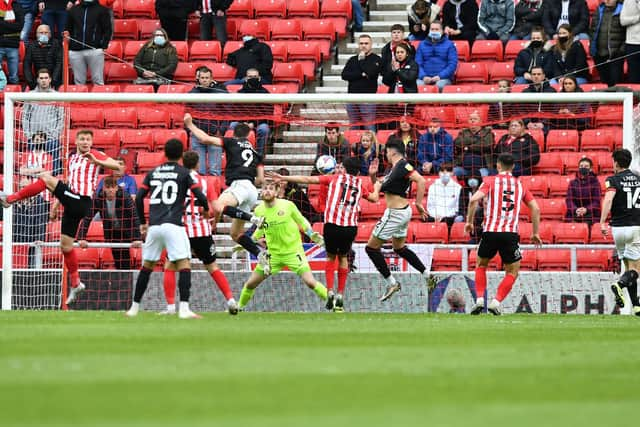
{"points": [[583, 171], [563, 39], [536, 44], [253, 82]]}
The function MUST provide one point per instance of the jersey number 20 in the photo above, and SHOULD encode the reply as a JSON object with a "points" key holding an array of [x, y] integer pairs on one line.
{"points": [[163, 192]]}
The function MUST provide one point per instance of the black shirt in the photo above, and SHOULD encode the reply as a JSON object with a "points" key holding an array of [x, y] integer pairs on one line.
{"points": [[625, 210], [242, 160], [397, 181], [168, 184]]}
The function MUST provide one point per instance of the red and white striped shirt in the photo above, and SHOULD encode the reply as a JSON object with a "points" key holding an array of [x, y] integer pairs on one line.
{"points": [[37, 160], [196, 225], [83, 175], [343, 199], [504, 193]]}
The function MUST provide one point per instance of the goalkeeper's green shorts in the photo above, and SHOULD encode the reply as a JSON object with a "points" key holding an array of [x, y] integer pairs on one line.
{"points": [[296, 262]]}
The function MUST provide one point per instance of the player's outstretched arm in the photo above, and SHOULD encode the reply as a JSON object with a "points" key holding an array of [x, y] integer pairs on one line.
{"points": [[199, 133], [142, 193], [534, 209], [106, 162], [299, 179], [374, 195], [471, 211], [606, 209]]}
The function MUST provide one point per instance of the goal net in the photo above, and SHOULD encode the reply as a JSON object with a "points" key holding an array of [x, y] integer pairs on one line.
{"points": [[454, 135]]}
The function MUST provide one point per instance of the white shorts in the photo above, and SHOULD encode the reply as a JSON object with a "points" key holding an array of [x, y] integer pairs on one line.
{"points": [[394, 223], [245, 193], [171, 237], [627, 240]]}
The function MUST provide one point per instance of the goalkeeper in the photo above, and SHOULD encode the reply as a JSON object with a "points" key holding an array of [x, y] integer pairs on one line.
{"points": [[281, 230]]}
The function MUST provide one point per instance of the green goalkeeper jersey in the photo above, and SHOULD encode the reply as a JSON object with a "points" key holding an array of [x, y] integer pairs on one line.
{"points": [[281, 229]]}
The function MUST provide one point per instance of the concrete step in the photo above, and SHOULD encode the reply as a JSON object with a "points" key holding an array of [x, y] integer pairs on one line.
{"points": [[382, 26], [333, 80], [290, 159], [393, 4], [331, 89], [295, 148], [332, 113], [390, 16], [293, 169]]}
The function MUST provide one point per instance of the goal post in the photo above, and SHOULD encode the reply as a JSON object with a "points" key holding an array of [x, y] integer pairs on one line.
{"points": [[299, 119]]}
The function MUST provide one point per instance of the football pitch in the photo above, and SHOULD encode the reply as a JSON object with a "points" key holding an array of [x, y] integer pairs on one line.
{"points": [[288, 369]]}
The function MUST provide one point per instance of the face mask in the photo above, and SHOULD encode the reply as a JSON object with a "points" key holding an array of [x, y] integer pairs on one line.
{"points": [[583, 171], [435, 35], [253, 82], [473, 182], [445, 178], [43, 38], [536, 44], [563, 39], [246, 38], [159, 40]]}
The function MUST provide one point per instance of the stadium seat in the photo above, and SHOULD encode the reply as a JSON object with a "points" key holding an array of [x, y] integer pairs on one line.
{"points": [[514, 47], [95, 233], [383, 135], [131, 49], [147, 27], [118, 9], [216, 183], [106, 259], [494, 264], [182, 49], [74, 89], [603, 160], [457, 89], [51, 257], [88, 258], [106, 139], [552, 209], [177, 88], [559, 184], [463, 112], [121, 117], [371, 211], [161, 136], [139, 8], [608, 115], [288, 72], [153, 117], [114, 52], [472, 72], [430, 232], [87, 117], [308, 8], [319, 29], [271, 8], [286, 29], [529, 261], [605, 139], [568, 232], [446, 260], [572, 159], [550, 163], [562, 140], [340, 8], [554, 260], [457, 233], [106, 89], [258, 28], [146, 161], [353, 135], [134, 139], [229, 47], [364, 231], [241, 8], [138, 88], [487, 50], [501, 70], [119, 72], [593, 259], [428, 89], [463, 49], [279, 49], [208, 50], [222, 72], [538, 185], [597, 237], [125, 29], [447, 115], [186, 71]]}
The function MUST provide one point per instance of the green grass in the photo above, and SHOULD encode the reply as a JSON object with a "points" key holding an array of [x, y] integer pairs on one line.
{"points": [[278, 369]]}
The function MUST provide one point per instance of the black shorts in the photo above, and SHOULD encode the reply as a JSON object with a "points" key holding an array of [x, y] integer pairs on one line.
{"points": [[338, 239], [204, 249], [507, 244], [76, 207]]}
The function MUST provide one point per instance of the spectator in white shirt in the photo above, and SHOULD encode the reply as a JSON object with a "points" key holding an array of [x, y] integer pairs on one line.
{"points": [[443, 199]]}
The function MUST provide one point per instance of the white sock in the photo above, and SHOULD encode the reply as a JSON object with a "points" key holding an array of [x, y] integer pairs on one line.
{"points": [[184, 307], [390, 280], [231, 301], [495, 302], [135, 306], [480, 301], [171, 307]]}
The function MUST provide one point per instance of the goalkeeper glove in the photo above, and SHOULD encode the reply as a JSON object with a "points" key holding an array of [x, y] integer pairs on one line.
{"points": [[315, 237]]}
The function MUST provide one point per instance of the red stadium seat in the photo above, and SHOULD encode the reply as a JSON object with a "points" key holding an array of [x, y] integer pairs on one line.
{"points": [[133, 139], [74, 89], [463, 113], [603, 160], [487, 50], [501, 71], [514, 47], [371, 211], [339, 8], [605, 139], [529, 261], [229, 47], [550, 163], [95, 233], [182, 49], [447, 115], [131, 49], [593, 259], [154, 117], [286, 29], [552, 209], [147, 27], [494, 264], [114, 52], [430, 232], [319, 29], [571, 233], [106, 259], [272, 8], [309, 8], [118, 9], [139, 8], [222, 72], [161, 136], [554, 260], [608, 115], [88, 258], [279, 49], [463, 49], [87, 117], [147, 161], [186, 71], [125, 29], [457, 233], [138, 89], [106, 139], [178, 88], [118, 72], [457, 89], [241, 8], [562, 140], [121, 117], [208, 50], [597, 237], [364, 231], [288, 72], [258, 28], [526, 228], [383, 135], [571, 161], [471, 72], [106, 89], [559, 184], [446, 260], [538, 185]]}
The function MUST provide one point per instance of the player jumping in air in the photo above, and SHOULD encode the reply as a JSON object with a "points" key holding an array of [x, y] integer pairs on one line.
{"points": [[622, 199], [500, 230], [83, 169], [395, 220], [168, 185], [344, 190], [283, 222], [202, 244], [243, 172]]}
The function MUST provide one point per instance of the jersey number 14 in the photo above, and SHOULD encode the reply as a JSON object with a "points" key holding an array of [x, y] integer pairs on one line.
{"points": [[632, 199]]}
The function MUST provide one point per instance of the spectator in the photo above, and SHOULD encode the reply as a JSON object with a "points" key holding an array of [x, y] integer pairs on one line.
{"points": [[11, 23], [473, 148], [361, 72], [401, 73], [571, 12], [109, 5], [120, 222], [156, 61], [630, 19], [435, 148], [253, 54], [607, 41], [367, 150], [173, 16], [209, 154], [468, 190], [539, 84], [37, 159], [528, 17], [45, 118], [125, 181], [358, 15], [583, 195], [89, 26], [437, 57], [44, 52], [409, 135], [521, 145], [388, 51], [501, 111], [213, 14], [333, 144], [460, 20], [569, 57], [30, 9], [537, 53], [420, 15], [496, 20], [55, 14], [30, 218], [574, 115], [3, 80], [253, 84], [443, 198]]}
